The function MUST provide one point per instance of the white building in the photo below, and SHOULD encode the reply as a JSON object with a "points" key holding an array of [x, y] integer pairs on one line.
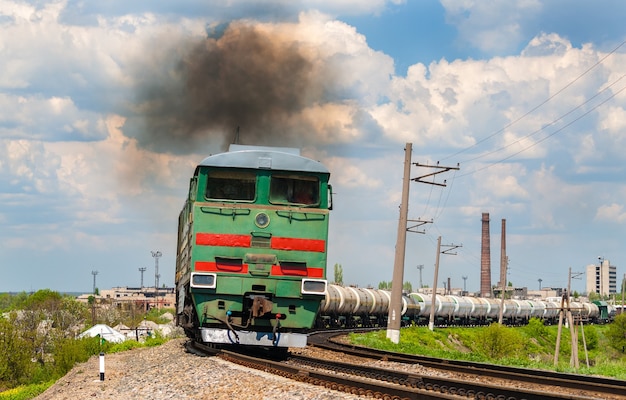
{"points": [[602, 278]]}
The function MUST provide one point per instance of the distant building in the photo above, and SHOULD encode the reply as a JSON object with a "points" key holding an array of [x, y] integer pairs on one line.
{"points": [[602, 278], [511, 292], [545, 293], [145, 297]]}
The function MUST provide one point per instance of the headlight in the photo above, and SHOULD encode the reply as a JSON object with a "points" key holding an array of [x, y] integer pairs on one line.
{"points": [[203, 280], [313, 286], [262, 220]]}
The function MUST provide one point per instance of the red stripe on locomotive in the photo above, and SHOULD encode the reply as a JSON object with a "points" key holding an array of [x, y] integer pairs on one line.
{"points": [[208, 266], [277, 243], [295, 271], [222, 239]]}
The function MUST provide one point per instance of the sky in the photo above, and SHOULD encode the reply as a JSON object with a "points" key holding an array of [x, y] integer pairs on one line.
{"points": [[107, 107]]}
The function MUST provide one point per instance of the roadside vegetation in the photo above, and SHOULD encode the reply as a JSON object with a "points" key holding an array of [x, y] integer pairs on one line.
{"points": [[530, 346], [38, 338]]}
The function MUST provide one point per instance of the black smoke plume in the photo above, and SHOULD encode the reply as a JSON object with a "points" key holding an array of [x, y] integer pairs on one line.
{"points": [[245, 78]]}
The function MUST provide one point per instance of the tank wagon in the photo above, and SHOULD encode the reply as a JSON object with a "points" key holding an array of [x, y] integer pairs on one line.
{"points": [[251, 251], [348, 306]]}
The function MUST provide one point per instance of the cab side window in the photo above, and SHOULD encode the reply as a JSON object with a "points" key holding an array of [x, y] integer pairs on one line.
{"points": [[294, 190], [230, 185]]}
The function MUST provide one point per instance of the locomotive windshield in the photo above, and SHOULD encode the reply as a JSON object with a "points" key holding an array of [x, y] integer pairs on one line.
{"points": [[231, 185], [294, 190]]}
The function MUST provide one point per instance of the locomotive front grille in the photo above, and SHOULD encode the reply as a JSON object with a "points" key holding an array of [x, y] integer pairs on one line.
{"points": [[260, 242]]}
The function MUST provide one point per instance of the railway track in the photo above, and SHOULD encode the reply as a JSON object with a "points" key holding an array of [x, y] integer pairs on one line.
{"points": [[590, 386], [389, 383]]}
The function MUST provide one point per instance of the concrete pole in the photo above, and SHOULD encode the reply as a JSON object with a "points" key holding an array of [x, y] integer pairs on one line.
{"points": [[433, 301], [395, 307], [502, 269], [623, 290]]}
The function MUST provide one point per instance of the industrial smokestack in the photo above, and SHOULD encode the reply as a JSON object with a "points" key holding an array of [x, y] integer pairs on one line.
{"points": [[485, 259]]}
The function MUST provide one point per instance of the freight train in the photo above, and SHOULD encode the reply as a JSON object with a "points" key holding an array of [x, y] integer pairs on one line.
{"points": [[352, 307], [251, 249]]}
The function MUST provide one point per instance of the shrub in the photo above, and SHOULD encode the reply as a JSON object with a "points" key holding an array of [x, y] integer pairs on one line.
{"points": [[536, 328], [617, 333], [591, 337], [15, 353], [498, 341], [67, 352]]}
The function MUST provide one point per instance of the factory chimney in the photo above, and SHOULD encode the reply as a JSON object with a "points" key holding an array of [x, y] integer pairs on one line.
{"points": [[485, 259], [503, 258]]}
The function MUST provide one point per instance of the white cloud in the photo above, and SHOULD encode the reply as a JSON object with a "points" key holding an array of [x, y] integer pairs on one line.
{"points": [[493, 26], [611, 213], [73, 177]]}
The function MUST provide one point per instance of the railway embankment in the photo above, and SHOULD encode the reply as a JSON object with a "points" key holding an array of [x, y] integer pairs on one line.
{"points": [[168, 372]]}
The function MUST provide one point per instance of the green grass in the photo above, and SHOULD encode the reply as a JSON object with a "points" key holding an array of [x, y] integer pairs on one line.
{"points": [[30, 391], [25, 392], [531, 346]]}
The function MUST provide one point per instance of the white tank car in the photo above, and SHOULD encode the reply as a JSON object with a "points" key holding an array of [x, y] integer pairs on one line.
{"points": [[341, 301]]}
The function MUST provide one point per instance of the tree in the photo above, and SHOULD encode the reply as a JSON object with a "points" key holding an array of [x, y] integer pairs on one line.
{"points": [[338, 274], [617, 333], [15, 352], [407, 287]]}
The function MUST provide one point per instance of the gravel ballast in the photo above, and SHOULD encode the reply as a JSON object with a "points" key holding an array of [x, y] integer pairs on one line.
{"points": [[169, 372]]}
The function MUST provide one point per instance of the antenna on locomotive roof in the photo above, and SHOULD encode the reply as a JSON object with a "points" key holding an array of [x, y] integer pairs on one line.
{"points": [[236, 141]]}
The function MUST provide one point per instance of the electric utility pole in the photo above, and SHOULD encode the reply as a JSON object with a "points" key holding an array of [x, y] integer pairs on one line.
{"points": [[395, 306], [433, 301]]}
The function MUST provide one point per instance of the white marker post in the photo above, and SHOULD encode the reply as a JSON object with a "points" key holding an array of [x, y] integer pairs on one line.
{"points": [[101, 367]]}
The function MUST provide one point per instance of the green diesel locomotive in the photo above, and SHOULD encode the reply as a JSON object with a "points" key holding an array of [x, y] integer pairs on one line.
{"points": [[252, 242]]}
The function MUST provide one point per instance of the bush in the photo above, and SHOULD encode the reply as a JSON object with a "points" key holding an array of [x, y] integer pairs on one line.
{"points": [[15, 353], [67, 352], [591, 337], [617, 333], [497, 341], [536, 328]]}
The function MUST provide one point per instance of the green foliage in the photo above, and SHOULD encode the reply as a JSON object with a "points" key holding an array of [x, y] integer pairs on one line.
{"points": [[123, 346], [592, 339], [536, 328], [12, 301], [67, 352], [156, 315], [37, 343], [617, 333], [538, 351], [43, 299], [25, 392], [498, 341], [407, 286], [15, 353], [338, 274]]}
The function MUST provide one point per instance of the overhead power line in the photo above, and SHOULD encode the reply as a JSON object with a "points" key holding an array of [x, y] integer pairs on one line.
{"points": [[503, 129], [547, 125], [547, 137]]}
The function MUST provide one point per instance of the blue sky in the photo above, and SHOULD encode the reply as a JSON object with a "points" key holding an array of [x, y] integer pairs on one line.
{"points": [[105, 109]]}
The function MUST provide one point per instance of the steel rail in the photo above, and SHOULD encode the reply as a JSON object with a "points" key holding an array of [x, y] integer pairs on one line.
{"points": [[585, 383], [376, 382]]}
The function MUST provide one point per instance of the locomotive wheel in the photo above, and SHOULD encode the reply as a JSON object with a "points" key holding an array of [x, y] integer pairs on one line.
{"points": [[190, 322]]}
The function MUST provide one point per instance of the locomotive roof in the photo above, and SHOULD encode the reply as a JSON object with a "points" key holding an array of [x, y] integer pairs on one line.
{"points": [[256, 157]]}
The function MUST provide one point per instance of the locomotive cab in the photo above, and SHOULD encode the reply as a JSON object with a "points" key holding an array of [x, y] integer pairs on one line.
{"points": [[252, 242]]}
